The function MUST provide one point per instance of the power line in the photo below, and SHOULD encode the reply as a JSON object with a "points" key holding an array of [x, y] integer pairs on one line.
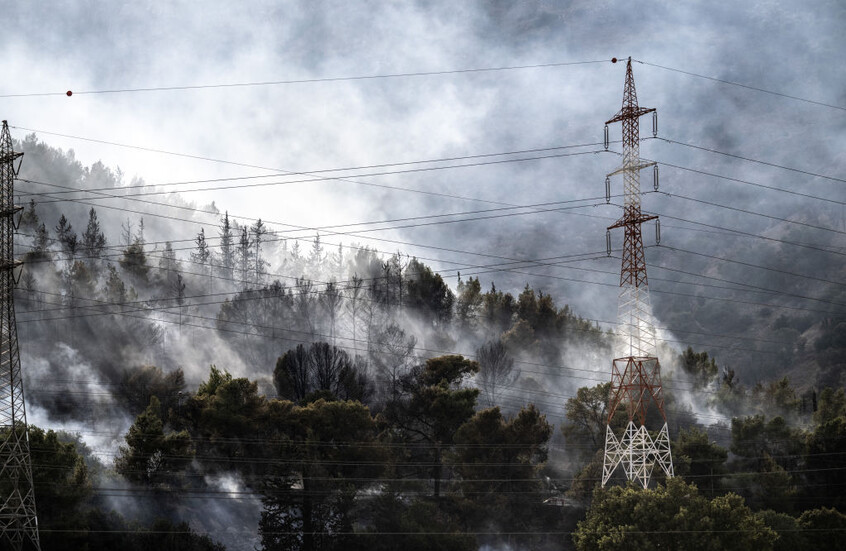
{"points": [[542, 262], [209, 212], [346, 179], [536, 209], [424, 246], [545, 262], [756, 236], [747, 182], [279, 172], [307, 80], [747, 86], [745, 211], [750, 265], [751, 160]]}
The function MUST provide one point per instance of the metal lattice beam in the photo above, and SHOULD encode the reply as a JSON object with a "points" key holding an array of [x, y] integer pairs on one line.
{"points": [[636, 371], [18, 520]]}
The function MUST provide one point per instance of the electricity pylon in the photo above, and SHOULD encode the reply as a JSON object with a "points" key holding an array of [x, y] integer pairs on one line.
{"points": [[635, 372], [18, 522]]}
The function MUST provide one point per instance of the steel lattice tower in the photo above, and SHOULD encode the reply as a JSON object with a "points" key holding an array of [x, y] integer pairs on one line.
{"points": [[636, 372], [18, 521]]}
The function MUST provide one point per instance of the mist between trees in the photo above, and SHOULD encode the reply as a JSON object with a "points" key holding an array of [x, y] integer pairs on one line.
{"points": [[278, 392]]}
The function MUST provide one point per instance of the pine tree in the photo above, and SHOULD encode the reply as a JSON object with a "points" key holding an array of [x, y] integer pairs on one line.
{"points": [[114, 289], [41, 240], [139, 237], [169, 264], [227, 260], [178, 291], [134, 261], [315, 257], [66, 236], [259, 230], [244, 257], [202, 255], [93, 240], [29, 218], [150, 455], [339, 260]]}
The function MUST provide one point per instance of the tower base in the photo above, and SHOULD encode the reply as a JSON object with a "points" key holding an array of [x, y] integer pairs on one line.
{"points": [[638, 452]]}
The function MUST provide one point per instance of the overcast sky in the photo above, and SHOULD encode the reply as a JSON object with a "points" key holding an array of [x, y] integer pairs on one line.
{"points": [[791, 48]]}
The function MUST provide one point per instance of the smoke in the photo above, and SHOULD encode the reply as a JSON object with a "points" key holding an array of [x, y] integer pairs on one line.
{"points": [[64, 392], [752, 319], [231, 515]]}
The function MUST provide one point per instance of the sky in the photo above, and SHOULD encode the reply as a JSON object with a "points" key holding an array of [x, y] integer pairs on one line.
{"points": [[553, 87]]}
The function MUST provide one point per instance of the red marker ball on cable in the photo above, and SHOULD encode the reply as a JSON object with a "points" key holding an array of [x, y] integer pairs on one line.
{"points": [[69, 93], [613, 60]]}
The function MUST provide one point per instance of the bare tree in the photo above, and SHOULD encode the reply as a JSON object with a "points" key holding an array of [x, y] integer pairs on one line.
{"points": [[331, 302], [355, 291], [305, 305], [496, 370], [392, 358], [320, 370]]}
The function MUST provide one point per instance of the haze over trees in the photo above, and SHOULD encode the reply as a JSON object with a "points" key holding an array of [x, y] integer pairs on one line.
{"points": [[318, 395]]}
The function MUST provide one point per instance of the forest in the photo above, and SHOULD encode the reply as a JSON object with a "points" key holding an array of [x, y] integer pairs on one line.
{"points": [[243, 388]]}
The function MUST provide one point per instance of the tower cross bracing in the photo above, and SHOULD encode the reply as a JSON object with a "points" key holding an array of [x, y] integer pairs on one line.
{"points": [[18, 521], [635, 371]]}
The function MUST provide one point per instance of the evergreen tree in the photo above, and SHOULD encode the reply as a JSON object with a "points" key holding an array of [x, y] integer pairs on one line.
{"points": [[168, 265], [339, 260], [93, 239], [469, 303], [674, 516], [227, 253], [66, 236], [699, 366], [428, 294], [202, 255], [498, 461], [258, 231], [134, 261], [150, 455], [433, 405], [139, 236], [315, 257], [330, 453], [41, 243], [114, 289], [29, 218], [244, 255], [177, 291]]}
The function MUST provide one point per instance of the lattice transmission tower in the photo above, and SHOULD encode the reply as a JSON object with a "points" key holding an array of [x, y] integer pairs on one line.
{"points": [[18, 521], [636, 372]]}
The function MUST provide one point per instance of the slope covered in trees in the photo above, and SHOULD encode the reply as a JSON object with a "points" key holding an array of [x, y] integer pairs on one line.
{"points": [[362, 400]]}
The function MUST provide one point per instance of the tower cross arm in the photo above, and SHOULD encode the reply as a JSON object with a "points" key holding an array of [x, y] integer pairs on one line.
{"points": [[632, 220], [636, 166], [9, 157], [630, 113]]}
